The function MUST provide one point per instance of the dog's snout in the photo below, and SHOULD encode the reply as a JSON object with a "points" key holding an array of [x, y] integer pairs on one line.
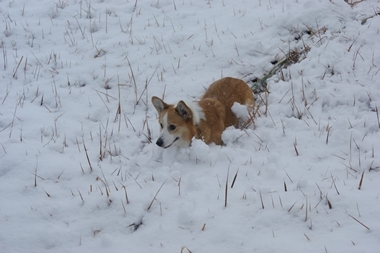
{"points": [[160, 142]]}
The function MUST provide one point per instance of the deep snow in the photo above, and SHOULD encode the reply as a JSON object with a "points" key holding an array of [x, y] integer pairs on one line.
{"points": [[68, 65]]}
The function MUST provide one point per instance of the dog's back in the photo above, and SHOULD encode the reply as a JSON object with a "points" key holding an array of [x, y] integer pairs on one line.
{"points": [[229, 90]]}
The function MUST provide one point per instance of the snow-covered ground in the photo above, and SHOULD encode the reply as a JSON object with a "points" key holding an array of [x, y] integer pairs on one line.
{"points": [[79, 168]]}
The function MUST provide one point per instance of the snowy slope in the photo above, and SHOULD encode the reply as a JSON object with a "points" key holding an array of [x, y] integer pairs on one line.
{"points": [[79, 168]]}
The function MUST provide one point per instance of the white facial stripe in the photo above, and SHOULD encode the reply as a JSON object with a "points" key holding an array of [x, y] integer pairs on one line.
{"points": [[165, 121], [165, 135]]}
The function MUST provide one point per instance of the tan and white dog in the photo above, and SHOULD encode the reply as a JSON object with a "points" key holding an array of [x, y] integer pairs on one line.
{"points": [[205, 119]]}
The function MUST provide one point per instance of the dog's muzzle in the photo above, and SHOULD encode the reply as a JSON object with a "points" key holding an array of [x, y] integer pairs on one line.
{"points": [[160, 142]]}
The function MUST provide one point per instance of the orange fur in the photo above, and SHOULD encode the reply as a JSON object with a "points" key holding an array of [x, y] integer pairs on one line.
{"points": [[229, 90], [207, 118]]}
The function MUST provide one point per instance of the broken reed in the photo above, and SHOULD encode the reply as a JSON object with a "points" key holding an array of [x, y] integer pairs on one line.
{"points": [[226, 189], [233, 181], [154, 198], [88, 159], [185, 248], [361, 181], [126, 194], [361, 223]]}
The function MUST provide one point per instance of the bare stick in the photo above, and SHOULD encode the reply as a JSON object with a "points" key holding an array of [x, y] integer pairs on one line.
{"points": [[358, 221], [261, 199], [103, 101], [123, 206], [134, 179], [18, 65], [133, 76], [80, 194], [100, 148], [81, 168], [35, 173], [88, 159], [226, 190], [118, 112], [13, 120], [332, 178], [80, 28], [151, 203], [328, 133], [61, 174], [295, 147], [179, 186], [126, 195], [105, 183], [306, 210], [47, 194], [6, 95], [292, 206], [184, 247], [329, 203], [233, 181], [361, 181], [288, 176], [279, 198]]}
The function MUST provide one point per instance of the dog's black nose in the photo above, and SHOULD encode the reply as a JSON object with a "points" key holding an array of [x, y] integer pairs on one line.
{"points": [[160, 142]]}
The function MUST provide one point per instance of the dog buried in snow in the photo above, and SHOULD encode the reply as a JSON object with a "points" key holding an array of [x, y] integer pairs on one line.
{"points": [[205, 119]]}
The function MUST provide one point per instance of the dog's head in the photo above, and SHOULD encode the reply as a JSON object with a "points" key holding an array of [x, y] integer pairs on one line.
{"points": [[177, 123]]}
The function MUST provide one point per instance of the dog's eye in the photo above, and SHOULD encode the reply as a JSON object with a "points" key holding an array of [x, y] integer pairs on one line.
{"points": [[172, 127], [161, 126]]}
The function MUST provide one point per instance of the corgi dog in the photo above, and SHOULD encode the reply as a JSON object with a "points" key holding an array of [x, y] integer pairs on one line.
{"points": [[205, 119]]}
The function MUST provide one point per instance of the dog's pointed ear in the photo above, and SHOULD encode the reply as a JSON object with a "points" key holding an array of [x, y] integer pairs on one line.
{"points": [[159, 104], [183, 110]]}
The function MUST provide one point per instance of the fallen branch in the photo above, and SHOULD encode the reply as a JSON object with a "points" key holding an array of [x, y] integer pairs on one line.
{"points": [[260, 85]]}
